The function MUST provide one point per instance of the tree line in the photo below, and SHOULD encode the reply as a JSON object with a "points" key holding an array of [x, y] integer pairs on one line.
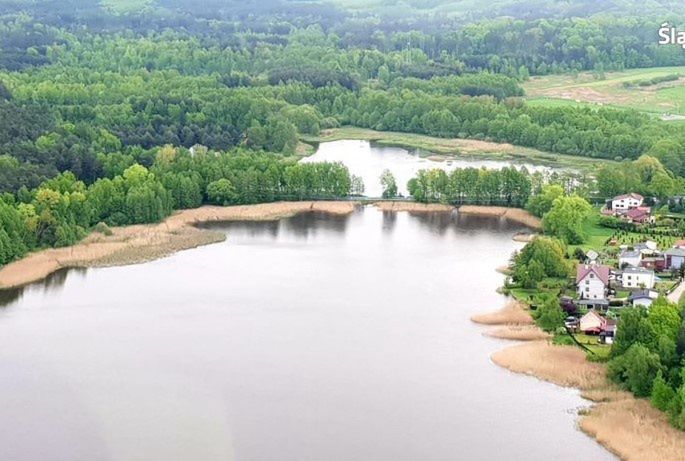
{"points": [[507, 187], [62, 210]]}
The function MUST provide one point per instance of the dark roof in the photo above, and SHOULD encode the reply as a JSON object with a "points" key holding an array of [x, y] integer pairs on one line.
{"points": [[640, 294], [592, 302]]}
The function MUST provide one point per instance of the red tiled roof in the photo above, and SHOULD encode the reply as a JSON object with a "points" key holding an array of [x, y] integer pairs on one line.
{"points": [[639, 212], [601, 271]]}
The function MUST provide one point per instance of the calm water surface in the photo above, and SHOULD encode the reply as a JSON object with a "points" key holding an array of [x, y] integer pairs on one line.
{"points": [[368, 160], [308, 339]]}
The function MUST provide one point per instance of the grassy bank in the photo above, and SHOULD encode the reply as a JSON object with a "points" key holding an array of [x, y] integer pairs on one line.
{"points": [[449, 147]]}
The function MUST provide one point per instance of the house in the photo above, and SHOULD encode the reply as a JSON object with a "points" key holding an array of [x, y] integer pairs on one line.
{"points": [[679, 244], [637, 277], [629, 258], [639, 215], [592, 323], [592, 256], [606, 336], [643, 298], [647, 247], [655, 263], [675, 257], [626, 202], [592, 281]]}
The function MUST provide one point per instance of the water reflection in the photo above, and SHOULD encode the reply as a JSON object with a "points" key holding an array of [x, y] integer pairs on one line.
{"points": [[368, 160], [50, 285], [302, 226], [317, 337]]}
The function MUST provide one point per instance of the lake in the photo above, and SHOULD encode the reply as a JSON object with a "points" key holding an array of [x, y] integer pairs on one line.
{"points": [[368, 160], [312, 338]]}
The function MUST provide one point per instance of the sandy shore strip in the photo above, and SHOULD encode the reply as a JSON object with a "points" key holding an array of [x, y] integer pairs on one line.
{"points": [[513, 313], [518, 333], [524, 237], [518, 215], [628, 427], [140, 243], [413, 207]]}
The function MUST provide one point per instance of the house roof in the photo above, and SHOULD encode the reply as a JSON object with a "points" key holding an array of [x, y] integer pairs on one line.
{"points": [[637, 270], [630, 254], [680, 243], [640, 294], [600, 270], [675, 252], [593, 314], [631, 195], [592, 302], [636, 213], [646, 245]]}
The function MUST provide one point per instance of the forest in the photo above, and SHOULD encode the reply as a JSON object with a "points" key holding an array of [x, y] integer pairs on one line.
{"points": [[118, 112]]}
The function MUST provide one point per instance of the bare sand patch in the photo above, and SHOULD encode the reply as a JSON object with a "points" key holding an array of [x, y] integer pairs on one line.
{"points": [[514, 214], [413, 207], [505, 270], [139, 243], [513, 313], [524, 237]]}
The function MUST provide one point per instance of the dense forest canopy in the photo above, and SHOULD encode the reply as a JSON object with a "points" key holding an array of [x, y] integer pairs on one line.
{"points": [[94, 91]]}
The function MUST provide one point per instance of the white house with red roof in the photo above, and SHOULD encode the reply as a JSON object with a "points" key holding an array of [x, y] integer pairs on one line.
{"points": [[592, 281], [627, 202]]}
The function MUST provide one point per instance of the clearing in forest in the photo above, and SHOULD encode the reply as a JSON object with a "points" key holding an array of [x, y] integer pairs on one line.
{"points": [[659, 90]]}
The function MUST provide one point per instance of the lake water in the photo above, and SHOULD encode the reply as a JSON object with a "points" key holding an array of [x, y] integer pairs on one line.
{"points": [[368, 160], [306, 339]]}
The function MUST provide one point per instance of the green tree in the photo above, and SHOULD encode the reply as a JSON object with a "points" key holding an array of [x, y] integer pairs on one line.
{"points": [[549, 316], [221, 192], [388, 184], [636, 369], [541, 203], [662, 394], [566, 218]]}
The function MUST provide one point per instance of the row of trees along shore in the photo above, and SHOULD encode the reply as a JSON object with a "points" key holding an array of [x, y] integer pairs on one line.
{"points": [[64, 209], [61, 210]]}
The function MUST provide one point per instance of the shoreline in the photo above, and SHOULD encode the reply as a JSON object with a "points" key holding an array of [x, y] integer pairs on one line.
{"points": [[140, 243], [450, 148], [517, 215], [626, 426]]}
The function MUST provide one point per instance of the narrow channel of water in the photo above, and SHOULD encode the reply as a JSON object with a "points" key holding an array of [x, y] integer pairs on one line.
{"points": [[312, 338]]}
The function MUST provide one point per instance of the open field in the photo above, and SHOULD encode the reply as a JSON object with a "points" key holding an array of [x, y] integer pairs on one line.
{"points": [[474, 148], [565, 90]]}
